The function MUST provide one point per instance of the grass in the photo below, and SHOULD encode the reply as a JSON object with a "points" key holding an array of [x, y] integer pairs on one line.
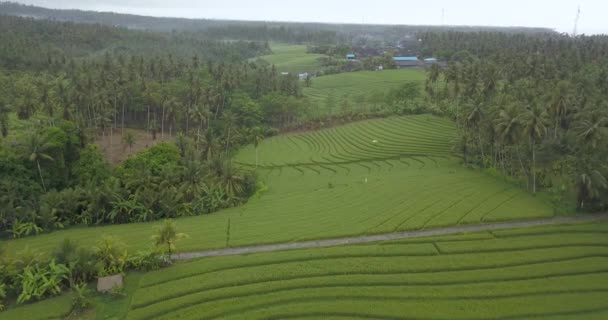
{"points": [[52, 308], [358, 86], [338, 182], [292, 58], [553, 272]]}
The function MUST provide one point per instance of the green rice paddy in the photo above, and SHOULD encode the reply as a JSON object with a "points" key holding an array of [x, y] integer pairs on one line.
{"points": [[293, 59], [357, 87], [548, 272]]}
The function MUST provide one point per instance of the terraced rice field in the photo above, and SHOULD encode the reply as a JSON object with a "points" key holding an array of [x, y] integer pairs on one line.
{"points": [[358, 86], [558, 272], [338, 182], [292, 58]]}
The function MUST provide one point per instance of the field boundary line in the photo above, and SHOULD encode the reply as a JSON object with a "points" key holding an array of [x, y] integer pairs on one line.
{"points": [[391, 236]]}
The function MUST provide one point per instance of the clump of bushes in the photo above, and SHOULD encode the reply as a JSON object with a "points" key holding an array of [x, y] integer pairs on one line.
{"points": [[32, 276]]}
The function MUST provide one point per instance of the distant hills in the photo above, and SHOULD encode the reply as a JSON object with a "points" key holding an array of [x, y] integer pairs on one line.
{"points": [[181, 24]]}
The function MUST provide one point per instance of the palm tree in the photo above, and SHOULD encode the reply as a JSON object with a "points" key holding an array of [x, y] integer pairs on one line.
{"points": [[166, 236], [129, 140], [534, 120], [508, 127], [37, 147], [230, 120], [257, 135], [588, 185], [558, 104], [593, 129], [473, 120]]}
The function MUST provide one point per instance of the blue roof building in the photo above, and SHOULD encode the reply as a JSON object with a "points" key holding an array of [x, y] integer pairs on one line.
{"points": [[406, 62], [405, 58], [350, 56]]}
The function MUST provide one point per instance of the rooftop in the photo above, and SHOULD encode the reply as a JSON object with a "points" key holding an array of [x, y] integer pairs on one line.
{"points": [[405, 58]]}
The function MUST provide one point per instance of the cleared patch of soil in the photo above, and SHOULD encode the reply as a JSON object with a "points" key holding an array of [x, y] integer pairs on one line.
{"points": [[116, 151]]}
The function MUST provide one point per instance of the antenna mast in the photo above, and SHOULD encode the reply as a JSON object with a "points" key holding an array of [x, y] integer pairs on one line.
{"points": [[578, 15], [442, 16]]}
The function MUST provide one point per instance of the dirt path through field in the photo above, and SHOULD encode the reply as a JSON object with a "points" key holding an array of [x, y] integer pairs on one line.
{"points": [[391, 236]]}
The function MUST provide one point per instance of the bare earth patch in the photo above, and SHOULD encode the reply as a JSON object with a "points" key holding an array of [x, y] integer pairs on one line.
{"points": [[116, 151]]}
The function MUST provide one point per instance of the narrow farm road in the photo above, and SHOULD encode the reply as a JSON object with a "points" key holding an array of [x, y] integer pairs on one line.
{"points": [[391, 236]]}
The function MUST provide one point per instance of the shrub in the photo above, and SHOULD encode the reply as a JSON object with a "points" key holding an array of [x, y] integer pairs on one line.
{"points": [[147, 261], [112, 255], [81, 262], [80, 297], [91, 167], [40, 280]]}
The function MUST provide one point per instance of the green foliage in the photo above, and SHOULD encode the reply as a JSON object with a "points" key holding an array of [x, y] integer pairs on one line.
{"points": [[2, 295], [80, 297], [111, 252], [38, 281], [81, 261], [91, 167], [166, 237]]}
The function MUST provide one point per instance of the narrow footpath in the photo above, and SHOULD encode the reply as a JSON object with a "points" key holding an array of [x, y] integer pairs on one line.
{"points": [[391, 236]]}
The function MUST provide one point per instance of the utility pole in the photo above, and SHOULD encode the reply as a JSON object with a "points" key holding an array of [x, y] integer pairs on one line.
{"points": [[443, 16], [578, 15]]}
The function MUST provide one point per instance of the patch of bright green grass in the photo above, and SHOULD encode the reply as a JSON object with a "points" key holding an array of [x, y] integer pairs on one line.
{"points": [[52, 308], [357, 87], [293, 59]]}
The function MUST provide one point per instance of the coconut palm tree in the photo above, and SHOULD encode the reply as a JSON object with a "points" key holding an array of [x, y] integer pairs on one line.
{"points": [[129, 140], [257, 135], [593, 128], [37, 147], [167, 236], [589, 183], [230, 120], [534, 126], [474, 120]]}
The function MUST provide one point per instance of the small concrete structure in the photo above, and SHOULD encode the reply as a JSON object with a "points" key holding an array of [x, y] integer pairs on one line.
{"points": [[106, 284]]}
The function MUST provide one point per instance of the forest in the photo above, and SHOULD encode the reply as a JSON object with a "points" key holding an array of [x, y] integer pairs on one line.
{"points": [[529, 107]]}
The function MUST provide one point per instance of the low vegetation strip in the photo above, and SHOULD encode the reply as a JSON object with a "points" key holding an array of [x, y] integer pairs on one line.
{"points": [[561, 269], [392, 236]]}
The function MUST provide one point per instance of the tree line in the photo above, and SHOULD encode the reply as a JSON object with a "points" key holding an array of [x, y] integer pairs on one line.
{"points": [[530, 108]]}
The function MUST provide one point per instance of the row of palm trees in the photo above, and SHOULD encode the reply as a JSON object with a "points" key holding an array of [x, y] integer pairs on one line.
{"points": [[531, 108]]}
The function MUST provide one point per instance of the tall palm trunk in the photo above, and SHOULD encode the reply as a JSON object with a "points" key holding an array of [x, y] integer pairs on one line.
{"points": [[481, 148], [40, 173], [162, 123], [122, 130], [228, 140], [532, 144]]}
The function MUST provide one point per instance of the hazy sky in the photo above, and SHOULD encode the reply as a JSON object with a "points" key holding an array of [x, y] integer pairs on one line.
{"points": [[556, 14]]}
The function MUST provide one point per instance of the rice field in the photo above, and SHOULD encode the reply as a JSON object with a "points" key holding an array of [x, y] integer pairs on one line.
{"points": [[356, 87], [292, 58], [558, 272], [369, 177]]}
